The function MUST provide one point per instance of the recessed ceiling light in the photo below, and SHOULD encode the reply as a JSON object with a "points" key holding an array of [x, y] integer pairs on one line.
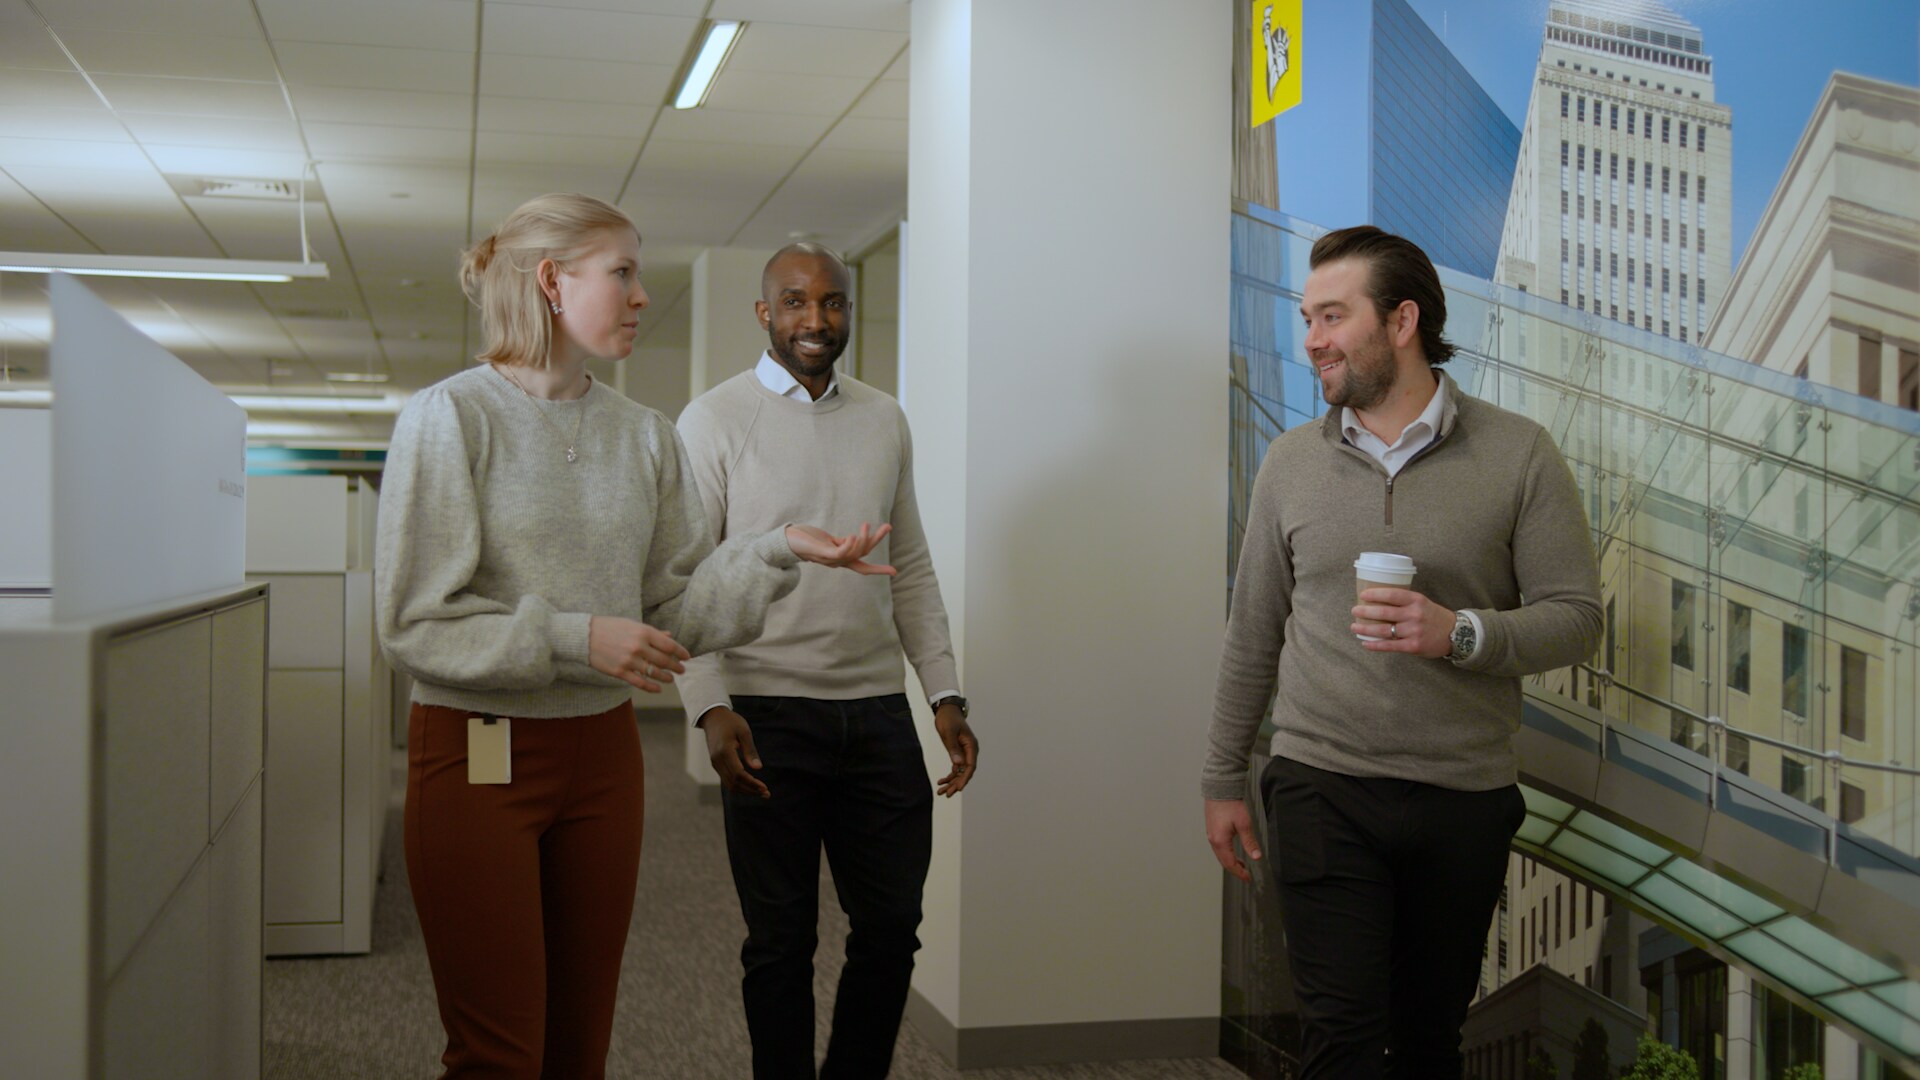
{"points": [[357, 377], [721, 38]]}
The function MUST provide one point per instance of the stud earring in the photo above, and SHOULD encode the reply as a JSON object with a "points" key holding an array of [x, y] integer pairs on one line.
{"points": [[555, 305]]}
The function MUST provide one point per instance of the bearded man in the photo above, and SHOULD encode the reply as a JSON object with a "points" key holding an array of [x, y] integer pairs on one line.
{"points": [[1391, 797]]}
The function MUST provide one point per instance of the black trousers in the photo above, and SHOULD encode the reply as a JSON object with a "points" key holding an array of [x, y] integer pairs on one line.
{"points": [[1387, 888], [846, 777]]}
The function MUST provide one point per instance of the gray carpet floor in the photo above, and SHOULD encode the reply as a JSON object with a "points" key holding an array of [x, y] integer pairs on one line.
{"points": [[679, 1014]]}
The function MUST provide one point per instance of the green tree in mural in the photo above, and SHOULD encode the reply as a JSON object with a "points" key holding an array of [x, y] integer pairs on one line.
{"points": [[1590, 1061], [1804, 1071], [1655, 1060], [1540, 1066]]}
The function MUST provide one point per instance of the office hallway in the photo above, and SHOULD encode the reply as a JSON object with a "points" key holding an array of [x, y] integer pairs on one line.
{"points": [[679, 1016]]}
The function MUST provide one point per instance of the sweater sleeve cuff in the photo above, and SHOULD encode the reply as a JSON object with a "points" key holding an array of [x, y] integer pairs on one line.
{"points": [[1219, 788], [569, 631], [773, 549]]}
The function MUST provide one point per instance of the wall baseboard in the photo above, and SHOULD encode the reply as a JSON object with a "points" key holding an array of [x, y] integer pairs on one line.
{"points": [[1046, 1044]]}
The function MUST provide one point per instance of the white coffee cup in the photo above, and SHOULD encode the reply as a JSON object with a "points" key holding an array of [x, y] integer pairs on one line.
{"points": [[1380, 570]]}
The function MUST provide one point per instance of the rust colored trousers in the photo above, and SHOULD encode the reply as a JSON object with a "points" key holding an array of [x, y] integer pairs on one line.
{"points": [[525, 890]]}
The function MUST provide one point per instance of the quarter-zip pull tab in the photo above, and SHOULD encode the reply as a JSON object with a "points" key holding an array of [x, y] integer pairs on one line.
{"points": [[1389, 502]]}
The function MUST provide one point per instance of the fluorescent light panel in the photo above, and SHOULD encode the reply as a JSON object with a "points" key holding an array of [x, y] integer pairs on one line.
{"points": [[146, 266], [721, 37]]}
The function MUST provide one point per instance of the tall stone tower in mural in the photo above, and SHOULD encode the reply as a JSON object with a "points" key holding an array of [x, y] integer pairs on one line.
{"points": [[1622, 198]]}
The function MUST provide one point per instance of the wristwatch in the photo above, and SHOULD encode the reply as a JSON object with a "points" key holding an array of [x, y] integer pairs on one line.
{"points": [[1464, 639], [960, 701]]}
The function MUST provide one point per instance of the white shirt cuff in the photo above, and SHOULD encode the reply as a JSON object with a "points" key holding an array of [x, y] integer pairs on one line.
{"points": [[702, 714], [1479, 636], [943, 695]]}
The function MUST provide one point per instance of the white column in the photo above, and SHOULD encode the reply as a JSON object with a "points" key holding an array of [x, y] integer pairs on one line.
{"points": [[727, 340], [1841, 1057], [1064, 370], [1741, 1018]]}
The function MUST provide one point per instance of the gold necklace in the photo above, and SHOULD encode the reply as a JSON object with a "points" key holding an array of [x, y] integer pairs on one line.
{"points": [[573, 455]]}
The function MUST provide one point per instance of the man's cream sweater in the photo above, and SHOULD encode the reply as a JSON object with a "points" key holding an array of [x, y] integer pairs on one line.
{"points": [[762, 460]]}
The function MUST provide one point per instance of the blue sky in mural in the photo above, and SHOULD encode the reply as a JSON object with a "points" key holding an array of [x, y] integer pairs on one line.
{"points": [[1771, 58]]}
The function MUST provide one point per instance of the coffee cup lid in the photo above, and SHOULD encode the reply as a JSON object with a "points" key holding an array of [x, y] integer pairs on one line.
{"points": [[1382, 560]]}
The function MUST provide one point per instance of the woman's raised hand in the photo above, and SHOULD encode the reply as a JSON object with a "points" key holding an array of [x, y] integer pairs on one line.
{"points": [[821, 546], [634, 652]]}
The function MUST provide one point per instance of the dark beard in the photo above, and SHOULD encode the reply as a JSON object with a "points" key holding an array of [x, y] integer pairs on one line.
{"points": [[802, 368], [1363, 387]]}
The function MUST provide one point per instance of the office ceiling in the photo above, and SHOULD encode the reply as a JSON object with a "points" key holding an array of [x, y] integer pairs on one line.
{"points": [[425, 122]]}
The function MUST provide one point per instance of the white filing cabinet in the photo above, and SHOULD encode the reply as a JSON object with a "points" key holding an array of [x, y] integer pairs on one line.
{"points": [[134, 790], [329, 712]]}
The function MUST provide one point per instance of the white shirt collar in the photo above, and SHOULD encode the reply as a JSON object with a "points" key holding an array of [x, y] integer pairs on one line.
{"points": [[1428, 422], [774, 376]]}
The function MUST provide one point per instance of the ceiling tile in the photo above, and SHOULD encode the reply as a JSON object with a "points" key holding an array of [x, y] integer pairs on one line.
{"points": [[59, 89], [255, 228], [401, 108], [376, 67], [502, 148], [194, 97], [784, 48], [893, 15], [710, 125], [685, 8], [868, 134], [364, 142], [117, 52], [732, 170], [220, 132], [884, 100], [24, 41], [548, 118], [421, 178], [587, 35], [27, 225], [584, 81], [414, 24], [72, 154], [810, 95], [200, 18], [213, 161], [91, 125]]}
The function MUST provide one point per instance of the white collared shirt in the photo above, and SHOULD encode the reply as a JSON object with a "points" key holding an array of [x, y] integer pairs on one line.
{"points": [[1414, 438], [774, 376]]}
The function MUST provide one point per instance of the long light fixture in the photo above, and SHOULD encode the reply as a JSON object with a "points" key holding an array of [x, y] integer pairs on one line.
{"points": [[148, 266], [721, 38], [387, 404]]}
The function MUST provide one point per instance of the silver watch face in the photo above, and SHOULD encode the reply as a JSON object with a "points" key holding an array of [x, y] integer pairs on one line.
{"points": [[1462, 638]]}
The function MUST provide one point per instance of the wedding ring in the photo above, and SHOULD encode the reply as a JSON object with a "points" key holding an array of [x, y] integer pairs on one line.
{"points": [[1393, 631], [649, 671]]}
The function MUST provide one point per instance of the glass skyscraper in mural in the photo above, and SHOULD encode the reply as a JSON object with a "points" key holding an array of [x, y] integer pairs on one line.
{"points": [[1441, 153], [1621, 202]]}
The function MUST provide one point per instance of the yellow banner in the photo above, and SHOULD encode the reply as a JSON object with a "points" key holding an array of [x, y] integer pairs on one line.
{"points": [[1276, 59]]}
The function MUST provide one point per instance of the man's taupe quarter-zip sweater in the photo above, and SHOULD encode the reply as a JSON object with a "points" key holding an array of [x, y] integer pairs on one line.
{"points": [[1492, 520]]}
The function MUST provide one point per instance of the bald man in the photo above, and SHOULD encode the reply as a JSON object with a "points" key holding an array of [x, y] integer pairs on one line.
{"points": [[809, 727]]}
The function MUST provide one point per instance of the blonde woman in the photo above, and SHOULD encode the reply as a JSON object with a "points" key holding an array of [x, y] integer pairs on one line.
{"points": [[543, 550]]}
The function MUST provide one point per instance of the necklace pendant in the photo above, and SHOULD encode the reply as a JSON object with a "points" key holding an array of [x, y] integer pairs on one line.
{"points": [[572, 455]]}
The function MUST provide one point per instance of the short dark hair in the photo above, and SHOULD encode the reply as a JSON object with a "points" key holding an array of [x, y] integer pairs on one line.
{"points": [[1397, 271]]}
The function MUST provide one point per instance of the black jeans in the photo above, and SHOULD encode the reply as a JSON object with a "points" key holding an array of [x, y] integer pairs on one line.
{"points": [[846, 776], [1386, 890]]}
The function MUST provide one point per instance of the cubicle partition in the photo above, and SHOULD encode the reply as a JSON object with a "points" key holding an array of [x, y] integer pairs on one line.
{"points": [[132, 693], [329, 711]]}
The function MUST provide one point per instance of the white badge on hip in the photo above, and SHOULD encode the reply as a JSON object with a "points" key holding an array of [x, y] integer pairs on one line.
{"points": [[489, 750]]}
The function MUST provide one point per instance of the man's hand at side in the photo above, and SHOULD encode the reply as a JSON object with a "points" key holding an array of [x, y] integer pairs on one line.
{"points": [[730, 748], [1227, 819], [963, 747]]}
